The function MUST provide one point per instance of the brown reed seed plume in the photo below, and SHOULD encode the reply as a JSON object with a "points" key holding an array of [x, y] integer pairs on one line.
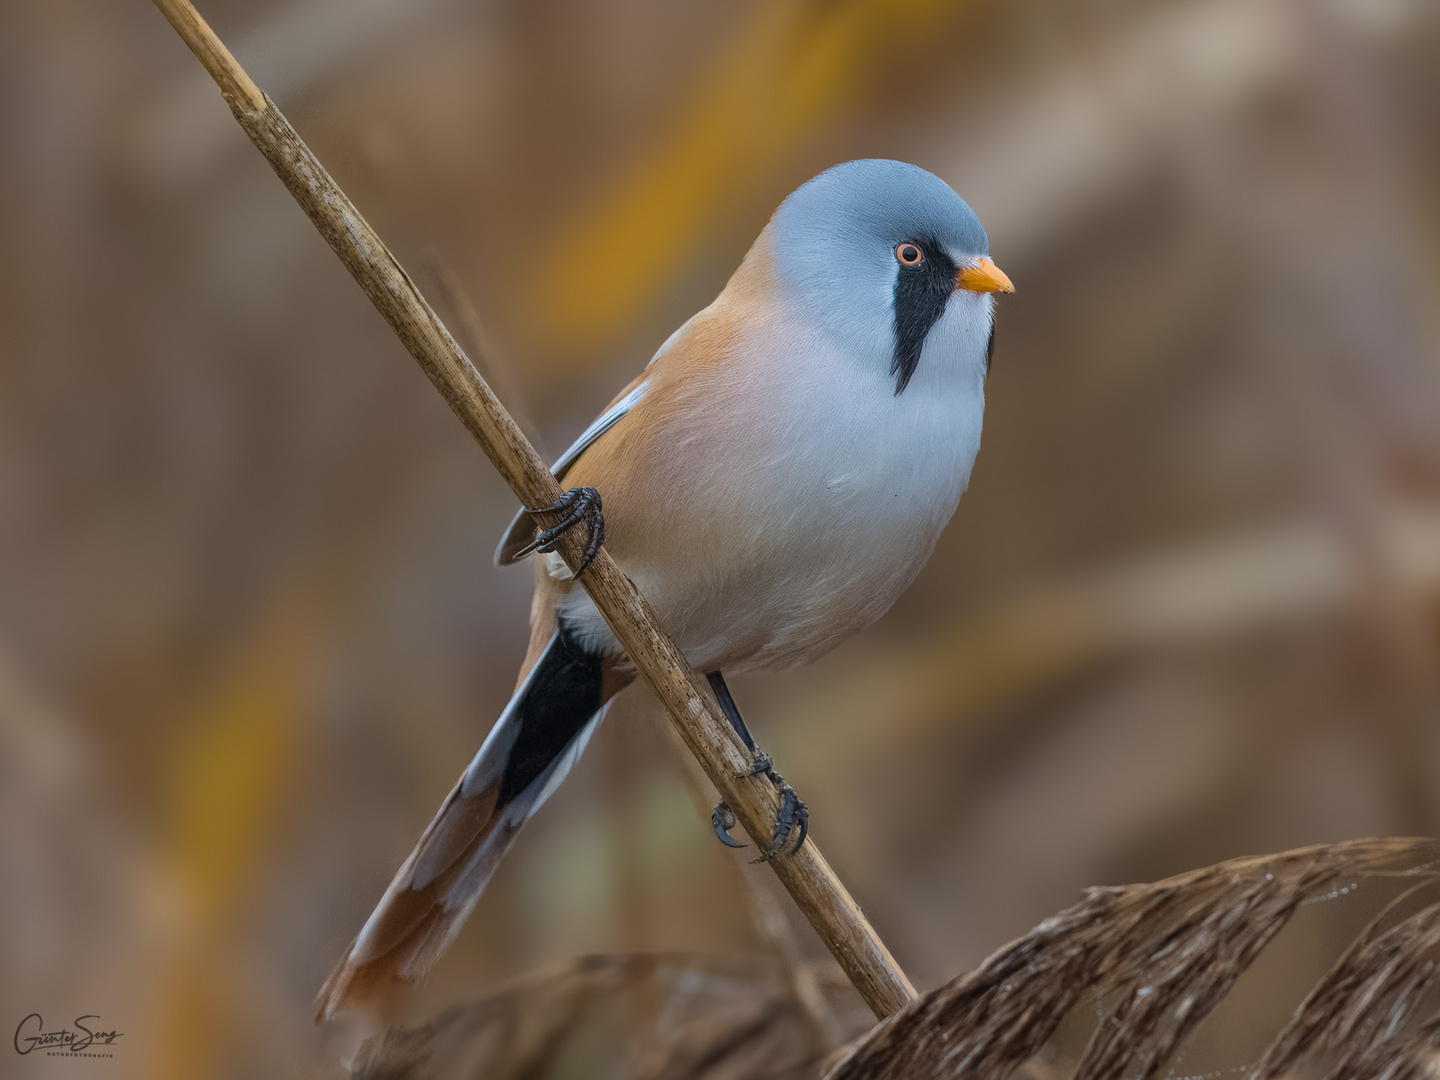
{"points": [[1162, 954], [1364, 1008], [667, 1016], [1165, 954]]}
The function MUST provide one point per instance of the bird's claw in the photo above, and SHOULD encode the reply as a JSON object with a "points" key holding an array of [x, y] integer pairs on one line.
{"points": [[793, 813], [577, 504], [722, 820]]}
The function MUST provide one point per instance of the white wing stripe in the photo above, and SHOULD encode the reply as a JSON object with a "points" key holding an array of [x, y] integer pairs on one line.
{"points": [[520, 523], [608, 419]]}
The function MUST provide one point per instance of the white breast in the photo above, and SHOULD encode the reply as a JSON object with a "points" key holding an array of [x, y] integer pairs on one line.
{"points": [[801, 494]]}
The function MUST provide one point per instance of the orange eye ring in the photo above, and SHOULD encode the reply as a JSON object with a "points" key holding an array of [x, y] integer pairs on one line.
{"points": [[909, 254]]}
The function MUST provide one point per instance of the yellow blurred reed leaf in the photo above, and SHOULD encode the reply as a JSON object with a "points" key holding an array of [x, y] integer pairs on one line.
{"points": [[792, 65], [235, 763], [232, 773]]}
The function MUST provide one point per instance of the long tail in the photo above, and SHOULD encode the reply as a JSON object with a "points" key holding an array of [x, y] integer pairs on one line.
{"points": [[534, 744]]}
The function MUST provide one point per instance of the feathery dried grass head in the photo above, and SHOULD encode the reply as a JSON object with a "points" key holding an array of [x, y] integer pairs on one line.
{"points": [[1164, 954], [1375, 1010], [1159, 956], [657, 1017]]}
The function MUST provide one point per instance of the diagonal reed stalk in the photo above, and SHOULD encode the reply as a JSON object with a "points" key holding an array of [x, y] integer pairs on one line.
{"points": [[805, 873]]}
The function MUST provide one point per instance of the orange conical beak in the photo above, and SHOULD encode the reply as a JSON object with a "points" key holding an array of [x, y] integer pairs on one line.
{"points": [[984, 276]]}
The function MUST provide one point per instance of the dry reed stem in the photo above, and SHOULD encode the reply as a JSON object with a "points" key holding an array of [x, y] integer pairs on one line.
{"points": [[773, 924], [805, 874], [1164, 954]]}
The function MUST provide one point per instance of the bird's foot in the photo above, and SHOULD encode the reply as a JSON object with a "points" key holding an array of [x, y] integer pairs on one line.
{"points": [[792, 823], [578, 505]]}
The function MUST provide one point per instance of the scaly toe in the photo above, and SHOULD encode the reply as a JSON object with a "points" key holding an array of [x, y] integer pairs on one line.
{"points": [[578, 505], [761, 765], [793, 812]]}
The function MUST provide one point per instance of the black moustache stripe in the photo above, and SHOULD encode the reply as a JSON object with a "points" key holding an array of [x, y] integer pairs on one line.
{"points": [[921, 293]]}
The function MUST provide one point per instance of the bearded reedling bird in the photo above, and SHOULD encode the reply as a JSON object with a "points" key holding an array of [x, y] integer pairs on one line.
{"points": [[772, 481]]}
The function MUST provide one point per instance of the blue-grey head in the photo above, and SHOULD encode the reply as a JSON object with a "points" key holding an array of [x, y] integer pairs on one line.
{"points": [[888, 257]]}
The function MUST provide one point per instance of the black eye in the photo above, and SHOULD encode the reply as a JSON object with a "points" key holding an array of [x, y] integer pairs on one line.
{"points": [[909, 254]]}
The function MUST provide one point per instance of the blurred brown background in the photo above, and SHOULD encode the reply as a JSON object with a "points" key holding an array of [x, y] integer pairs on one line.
{"points": [[249, 629]]}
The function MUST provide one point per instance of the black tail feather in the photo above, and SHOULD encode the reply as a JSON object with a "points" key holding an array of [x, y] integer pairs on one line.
{"points": [[533, 745]]}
